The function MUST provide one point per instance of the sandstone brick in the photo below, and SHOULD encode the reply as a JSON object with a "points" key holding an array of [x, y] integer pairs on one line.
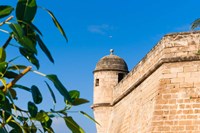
{"points": [[188, 106], [166, 128], [190, 68], [173, 107], [179, 111], [177, 128], [166, 71], [182, 53], [170, 75], [170, 123], [196, 122], [184, 74], [158, 112], [160, 123], [195, 74], [180, 101], [167, 96], [165, 81], [177, 80], [197, 111], [192, 79], [185, 122], [172, 112], [166, 112], [191, 128], [172, 101], [192, 116], [176, 69], [187, 100], [186, 85], [182, 117], [188, 111], [196, 105]]}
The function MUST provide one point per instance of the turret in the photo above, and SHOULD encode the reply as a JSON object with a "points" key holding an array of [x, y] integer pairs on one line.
{"points": [[109, 71]]}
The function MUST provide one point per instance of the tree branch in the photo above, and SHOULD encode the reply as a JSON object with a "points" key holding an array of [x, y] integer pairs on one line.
{"points": [[13, 82], [10, 37], [7, 42], [8, 19]]}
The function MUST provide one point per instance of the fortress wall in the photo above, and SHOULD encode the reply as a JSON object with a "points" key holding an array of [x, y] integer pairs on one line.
{"points": [[161, 94], [134, 113], [169, 49], [177, 105]]}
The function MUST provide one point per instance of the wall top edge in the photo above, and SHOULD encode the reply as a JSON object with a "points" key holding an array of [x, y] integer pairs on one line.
{"points": [[183, 33], [181, 45]]}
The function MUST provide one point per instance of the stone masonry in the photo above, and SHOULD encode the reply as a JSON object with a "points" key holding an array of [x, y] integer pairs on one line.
{"points": [[160, 95]]}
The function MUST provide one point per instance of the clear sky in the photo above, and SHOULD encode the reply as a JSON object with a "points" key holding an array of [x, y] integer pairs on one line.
{"points": [[130, 27]]}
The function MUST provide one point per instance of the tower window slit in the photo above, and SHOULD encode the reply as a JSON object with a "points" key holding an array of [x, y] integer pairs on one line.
{"points": [[97, 82]]}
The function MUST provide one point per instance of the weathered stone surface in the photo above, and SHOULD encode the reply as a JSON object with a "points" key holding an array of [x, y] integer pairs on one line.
{"points": [[112, 63], [161, 94]]}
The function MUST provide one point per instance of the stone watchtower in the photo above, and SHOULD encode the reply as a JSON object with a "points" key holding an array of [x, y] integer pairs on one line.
{"points": [[109, 71]]}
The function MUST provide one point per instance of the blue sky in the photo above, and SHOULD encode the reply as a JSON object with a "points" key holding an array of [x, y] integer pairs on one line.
{"points": [[130, 27]]}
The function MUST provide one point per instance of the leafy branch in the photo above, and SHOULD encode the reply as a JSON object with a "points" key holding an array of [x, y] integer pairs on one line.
{"points": [[7, 20], [27, 36], [14, 81]]}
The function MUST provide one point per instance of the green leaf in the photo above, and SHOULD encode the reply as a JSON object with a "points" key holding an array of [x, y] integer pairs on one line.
{"points": [[22, 87], [2, 54], [17, 128], [17, 30], [21, 38], [59, 86], [21, 118], [57, 24], [28, 44], [79, 101], [32, 109], [10, 74], [5, 111], [3, 81], [2, 97], [88, 116], [5, 105], [26, 10], [42, 116], [37, 96], [51, 91], [35, 28], [5, 10], [47, 125], [30, 57], [72, 125], [30, 35], [9, 95], [3, 67], [17, 67], [33, 128], [3, 130], [74, 94], [44, 48], [13, 93], [195, 24], [26, 127], [30, 25]]}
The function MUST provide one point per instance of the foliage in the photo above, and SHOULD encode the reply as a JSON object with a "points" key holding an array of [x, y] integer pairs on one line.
{"points": [[195, 24], [28, 37]]}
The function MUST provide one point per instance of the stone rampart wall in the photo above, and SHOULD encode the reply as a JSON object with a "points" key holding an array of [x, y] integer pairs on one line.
{"points": [[171, 48], [162, 93]]}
